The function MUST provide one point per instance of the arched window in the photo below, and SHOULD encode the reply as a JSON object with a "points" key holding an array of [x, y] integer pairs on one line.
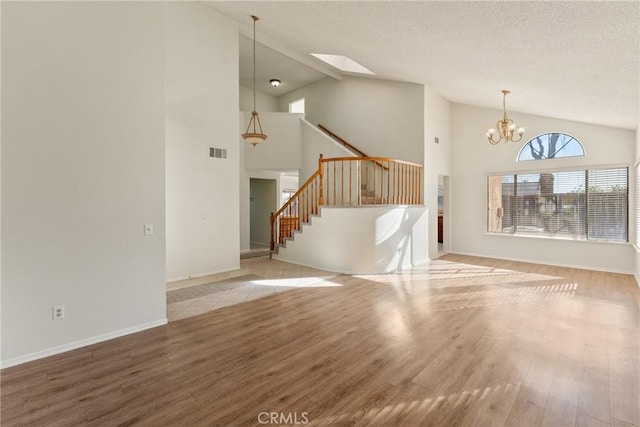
{"points": [[551, 146]]}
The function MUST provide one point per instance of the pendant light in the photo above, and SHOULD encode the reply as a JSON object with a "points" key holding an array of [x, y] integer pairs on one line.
{"points": [[506, 128], [254, 134]]}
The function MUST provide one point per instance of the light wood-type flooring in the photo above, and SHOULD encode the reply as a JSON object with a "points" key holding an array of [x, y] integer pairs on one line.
{"points": [[464, 341]]}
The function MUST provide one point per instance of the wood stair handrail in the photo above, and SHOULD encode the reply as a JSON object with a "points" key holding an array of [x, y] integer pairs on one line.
{"points": [[274, 216], [342, 141], [295, 195], [369, 159]]}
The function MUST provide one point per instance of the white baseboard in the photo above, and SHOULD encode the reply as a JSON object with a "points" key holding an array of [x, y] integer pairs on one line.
{"points": [[195, 276], [81, 343], [556, 264]]}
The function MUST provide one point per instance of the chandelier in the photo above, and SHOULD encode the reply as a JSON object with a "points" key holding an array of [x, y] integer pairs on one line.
{"points": [[254, 134], [505, 127]]}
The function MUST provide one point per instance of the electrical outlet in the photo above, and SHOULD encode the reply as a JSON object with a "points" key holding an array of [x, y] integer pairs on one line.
{"points": [[148, 229], [58, 312]]}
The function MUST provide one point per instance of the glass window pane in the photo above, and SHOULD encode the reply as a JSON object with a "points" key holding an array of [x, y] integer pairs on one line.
{"points": [[584, 204], [608, 204], [551, 146]]}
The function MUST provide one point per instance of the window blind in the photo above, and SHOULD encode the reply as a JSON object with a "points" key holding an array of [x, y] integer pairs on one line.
{"points": [[607, 204], [581, 204]]}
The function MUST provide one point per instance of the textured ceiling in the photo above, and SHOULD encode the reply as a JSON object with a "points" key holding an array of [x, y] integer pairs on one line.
{"points": [[273, 65], [570, 60]]}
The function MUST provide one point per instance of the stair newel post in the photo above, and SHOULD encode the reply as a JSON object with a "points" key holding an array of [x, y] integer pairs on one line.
{"points": [[359, 181], [321, 189], [273, 232]]}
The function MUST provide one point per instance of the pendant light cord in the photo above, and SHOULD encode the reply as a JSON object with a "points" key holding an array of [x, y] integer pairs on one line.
{"points": [[255, 18]]}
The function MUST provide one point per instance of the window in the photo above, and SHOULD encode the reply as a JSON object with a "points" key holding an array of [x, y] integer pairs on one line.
{"points": [[297, 106], [286, 195], [582, 204], [551, 146]]}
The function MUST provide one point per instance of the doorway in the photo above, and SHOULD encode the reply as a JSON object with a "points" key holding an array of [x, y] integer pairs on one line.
{"points": [[443, 215], [263, 198]]}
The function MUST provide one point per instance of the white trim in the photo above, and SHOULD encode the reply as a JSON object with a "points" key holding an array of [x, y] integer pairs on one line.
{"points": [[81, 343], [558, 264], [575, 168], [279, 258], [195, 276], [552, 237], [584, 152], [337, 273]]}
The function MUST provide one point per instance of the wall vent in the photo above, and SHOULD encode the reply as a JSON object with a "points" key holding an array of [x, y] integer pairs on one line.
{"points": [[218, 153]]}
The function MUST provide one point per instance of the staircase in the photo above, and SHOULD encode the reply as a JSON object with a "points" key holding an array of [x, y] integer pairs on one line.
{"points": [[347, 182]]}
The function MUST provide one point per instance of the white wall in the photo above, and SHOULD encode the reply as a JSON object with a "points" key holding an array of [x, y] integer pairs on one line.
{"points": [[473, 158], [287, 182], [633, 208], [314, 143], [82, 172], [382, 118], [281, 150], [202, 112], [437, 161], [363, 240], [264, 101], [0, 190]]}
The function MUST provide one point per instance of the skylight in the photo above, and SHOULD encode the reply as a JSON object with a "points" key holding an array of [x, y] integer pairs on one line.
{"points": [[343, 63]]}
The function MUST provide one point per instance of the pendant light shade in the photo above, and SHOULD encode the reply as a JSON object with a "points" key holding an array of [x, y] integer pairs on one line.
{"points": [[254, 135]]}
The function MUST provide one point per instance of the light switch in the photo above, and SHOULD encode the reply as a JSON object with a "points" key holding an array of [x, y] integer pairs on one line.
{"points": [[148, 229]]}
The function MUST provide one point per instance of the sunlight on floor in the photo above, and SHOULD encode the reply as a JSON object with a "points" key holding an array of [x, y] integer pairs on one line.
{"points": [[257, 277], [464, 401]]}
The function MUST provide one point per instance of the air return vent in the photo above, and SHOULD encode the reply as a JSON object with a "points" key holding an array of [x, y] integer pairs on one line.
{"points": [[219, 153]]}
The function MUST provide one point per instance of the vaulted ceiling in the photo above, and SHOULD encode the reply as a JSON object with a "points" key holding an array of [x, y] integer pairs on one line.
{"points": [[570, 60]]}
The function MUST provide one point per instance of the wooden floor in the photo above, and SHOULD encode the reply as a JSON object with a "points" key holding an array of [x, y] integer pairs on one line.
{"points": [[467, 341]]}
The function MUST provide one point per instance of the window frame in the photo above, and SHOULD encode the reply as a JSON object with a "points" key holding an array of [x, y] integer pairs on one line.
{"points": [[518, 160], [578, 168], [298, 102]]}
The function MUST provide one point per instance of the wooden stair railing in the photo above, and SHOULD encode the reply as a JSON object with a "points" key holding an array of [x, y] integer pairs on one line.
{"points": [[344, 142], [297, 210], [348, 181]]}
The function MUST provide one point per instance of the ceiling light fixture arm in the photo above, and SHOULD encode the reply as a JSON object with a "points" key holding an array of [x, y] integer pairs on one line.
{"points": [[505, 128]]}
